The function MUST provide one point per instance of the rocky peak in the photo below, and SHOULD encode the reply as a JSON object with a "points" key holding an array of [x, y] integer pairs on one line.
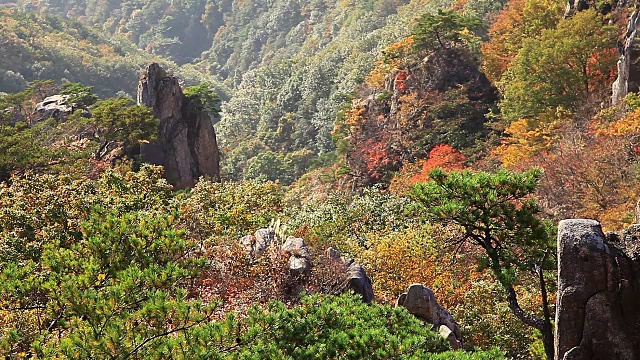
{"points": [[186, 144]]}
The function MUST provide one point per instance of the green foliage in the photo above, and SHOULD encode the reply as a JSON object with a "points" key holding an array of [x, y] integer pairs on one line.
{"points": [[40, 47], [632, 101], [564, 67], [116, 122], [24, 148], [79, 94], [444, 29], [223, 212], [341, 327], [203, 98], [496, 212], [344, 220], [89, 270]]}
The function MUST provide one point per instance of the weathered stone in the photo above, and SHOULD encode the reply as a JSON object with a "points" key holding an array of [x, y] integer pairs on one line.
{"points": [[255, 245], [420, 301], [597, 315], [450, 336], [359, 282], [603, 7], [296, 246], [56, 107], [628, 80], [263, 239], [298, 265], [299, 255], [355, 275], [186, 145], [573, 6]]}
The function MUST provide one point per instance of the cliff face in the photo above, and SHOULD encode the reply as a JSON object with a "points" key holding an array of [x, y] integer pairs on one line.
{"points": [[598, 305], [629, 63], [186, 144]]}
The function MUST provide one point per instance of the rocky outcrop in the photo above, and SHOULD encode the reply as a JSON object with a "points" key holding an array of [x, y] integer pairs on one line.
{"points": [[628, 80], [56, 107], [355, 276], [420, 301], [186, 144], [299, 255], [573, 6], [598, 304], [347, 274], [603, 7], [256, 244]]}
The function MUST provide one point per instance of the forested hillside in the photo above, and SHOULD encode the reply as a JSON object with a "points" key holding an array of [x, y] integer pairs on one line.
{"points": [[45, 47], [365, 145], [292, 64]]}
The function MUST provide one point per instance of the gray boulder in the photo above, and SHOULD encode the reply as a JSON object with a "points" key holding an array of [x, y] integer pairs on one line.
{"points": [[255, 245], [299, 255], [598, 299], [186, 145], [355, 276], [420, 301], [56, 107]]}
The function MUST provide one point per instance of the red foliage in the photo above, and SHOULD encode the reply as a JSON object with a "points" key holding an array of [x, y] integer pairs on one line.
{"points": [[400, 80], [376, 156], [601, 74], [442, 156]]}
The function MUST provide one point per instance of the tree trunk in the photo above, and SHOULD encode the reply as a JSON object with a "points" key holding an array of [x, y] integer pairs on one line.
{"points": [[543, 325]]}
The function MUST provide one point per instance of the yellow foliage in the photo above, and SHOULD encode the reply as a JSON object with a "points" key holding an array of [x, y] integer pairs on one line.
{"points": [[394, 58], [419, 255], [528, 138], [354, 116], [628, 125]]}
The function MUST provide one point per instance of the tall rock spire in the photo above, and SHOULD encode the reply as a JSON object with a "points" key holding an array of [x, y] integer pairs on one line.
{"points": [[186, 144]]}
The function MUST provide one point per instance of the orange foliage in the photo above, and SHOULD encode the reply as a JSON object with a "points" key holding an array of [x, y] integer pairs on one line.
{"points": [[354, 116], [519, 20], [591, 177], [627, 126], [442, 156], [459, 5], [395, 57]]}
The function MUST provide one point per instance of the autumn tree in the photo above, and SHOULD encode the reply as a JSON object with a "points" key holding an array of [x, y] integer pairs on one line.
{"points": [[525, 140], [519, 20], [442, 156], [496, 213], [562, 68]]}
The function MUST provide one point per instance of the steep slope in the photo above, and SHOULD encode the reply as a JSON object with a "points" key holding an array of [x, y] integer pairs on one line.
{"points": [[42, 47], [293, 63]]}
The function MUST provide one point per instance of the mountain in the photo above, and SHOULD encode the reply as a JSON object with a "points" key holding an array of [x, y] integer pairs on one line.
{"points": [[47, 47], [293, 64]]}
